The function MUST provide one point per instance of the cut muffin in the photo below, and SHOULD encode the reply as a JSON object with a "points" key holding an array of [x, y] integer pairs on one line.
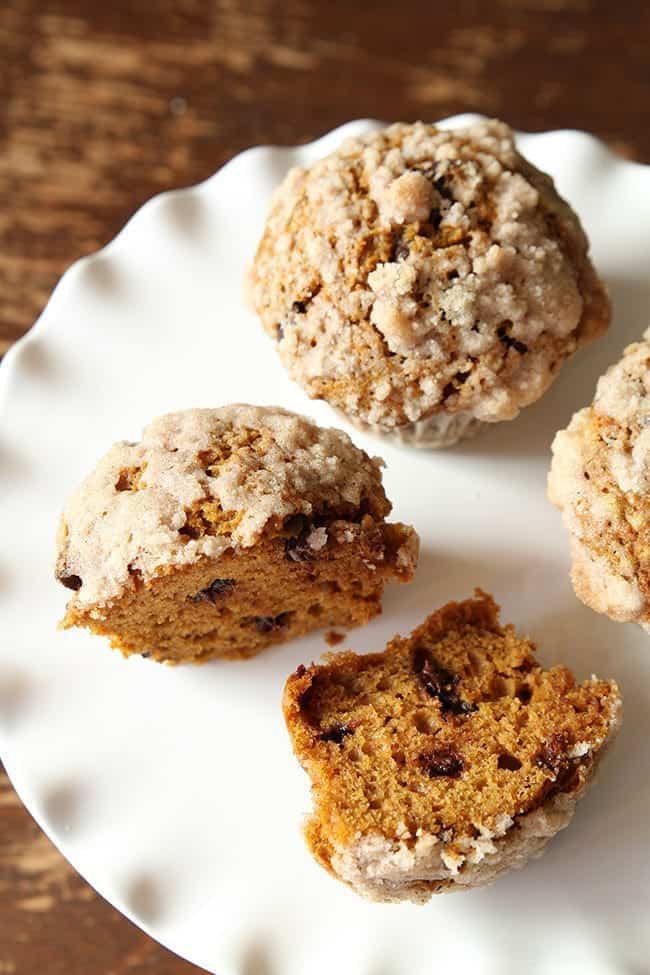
{"points": [[425, 281], [600, 480], [226, 530], [447, 759]]}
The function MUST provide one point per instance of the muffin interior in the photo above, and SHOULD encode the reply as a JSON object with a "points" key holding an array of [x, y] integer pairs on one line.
{"points": [[447, 731], [303, 578]]}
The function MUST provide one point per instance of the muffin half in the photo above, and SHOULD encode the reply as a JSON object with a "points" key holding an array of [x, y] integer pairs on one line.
{"points": [[224, 531], [446, 760]]}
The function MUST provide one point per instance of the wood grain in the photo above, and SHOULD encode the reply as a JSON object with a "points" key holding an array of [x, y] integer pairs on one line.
{"points": [[105, 104]]}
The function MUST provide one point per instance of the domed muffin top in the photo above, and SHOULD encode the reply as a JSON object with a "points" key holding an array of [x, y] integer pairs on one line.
{"points": [[203, 481], [417, 271]]}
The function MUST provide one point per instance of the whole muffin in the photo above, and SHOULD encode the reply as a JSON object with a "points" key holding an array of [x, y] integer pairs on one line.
{"points": [[224, 531], [600, 480], [425, 281]]}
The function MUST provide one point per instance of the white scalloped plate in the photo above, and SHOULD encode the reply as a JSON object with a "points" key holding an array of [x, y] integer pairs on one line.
{"points": [[174, 791]]}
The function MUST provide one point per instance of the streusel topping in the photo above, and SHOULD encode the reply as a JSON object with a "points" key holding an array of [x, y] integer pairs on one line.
{"points": [[417, 271], [201, 482], [600, 479]]}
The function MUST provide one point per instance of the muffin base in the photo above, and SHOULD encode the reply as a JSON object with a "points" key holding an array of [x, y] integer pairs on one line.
{"points": [[431, 433]]}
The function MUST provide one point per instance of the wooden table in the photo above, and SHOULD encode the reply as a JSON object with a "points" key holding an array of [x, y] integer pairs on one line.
{"points": [[103, 104]]}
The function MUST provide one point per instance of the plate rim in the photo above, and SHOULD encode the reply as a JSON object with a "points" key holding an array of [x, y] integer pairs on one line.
{"points": [[44, 323]]}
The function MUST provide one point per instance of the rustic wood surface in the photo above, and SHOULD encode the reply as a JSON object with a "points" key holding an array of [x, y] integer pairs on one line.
{"points": [[105, 103]]}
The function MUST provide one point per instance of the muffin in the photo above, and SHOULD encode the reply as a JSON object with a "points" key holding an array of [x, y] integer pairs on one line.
{"points": [[425, 281], [446, 760], [600, 481], [224, 531]]}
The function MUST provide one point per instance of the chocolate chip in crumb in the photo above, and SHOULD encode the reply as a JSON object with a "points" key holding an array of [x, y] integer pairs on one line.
{"points": [[211, 593], [268, 624], [300, 670], [401, 252], [442, 763], [71, 582], [552, 754], [508, 341], [440, 683], [300, 307], [336, 733], [297, 549], [443, 188], [524, 693], [435, 218], [508, 762]]}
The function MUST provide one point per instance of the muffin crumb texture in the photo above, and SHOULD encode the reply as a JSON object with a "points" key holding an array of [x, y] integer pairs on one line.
{"points": [[600, 480], [225, 530], [447, 759], [419, 275]]}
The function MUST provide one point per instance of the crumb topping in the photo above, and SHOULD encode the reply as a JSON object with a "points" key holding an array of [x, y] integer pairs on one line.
{"points": [[201, 482], [418, 271], [600, 479]]}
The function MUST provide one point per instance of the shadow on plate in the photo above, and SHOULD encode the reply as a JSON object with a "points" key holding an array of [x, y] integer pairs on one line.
{"points": [[61, 807], [185, 210], [443, 576], [255, 960], [143, 899], [15, 692], [606, 843]]}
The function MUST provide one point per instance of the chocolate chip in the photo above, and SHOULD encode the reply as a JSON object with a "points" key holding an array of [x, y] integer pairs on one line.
{"points": [[553, 753], [401, 252], [566, 780], [268, 624], [508, 341], [301, 670], [461, 377], [524, 694], [71, 582], [509, 762], [336, 733], [435, 218], [552, 756], [211, 593], [442, 763], [440, 683], [443, 188], [300, 307], [298, 550], [452, 275]]}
